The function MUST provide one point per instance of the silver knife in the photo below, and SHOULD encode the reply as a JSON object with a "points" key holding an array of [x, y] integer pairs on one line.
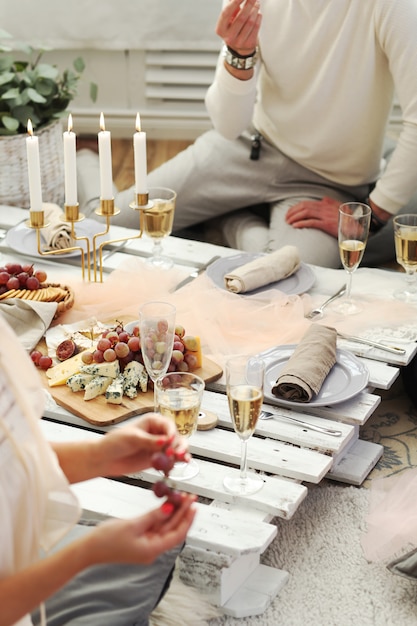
{"points": [[194, 274], [375, 344]]}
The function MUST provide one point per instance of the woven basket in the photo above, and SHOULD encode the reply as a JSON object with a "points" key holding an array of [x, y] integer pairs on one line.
{"points": [[14, 180]]}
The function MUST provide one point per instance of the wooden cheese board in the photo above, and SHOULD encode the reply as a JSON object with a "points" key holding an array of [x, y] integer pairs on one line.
{"points": [[101, 413]]}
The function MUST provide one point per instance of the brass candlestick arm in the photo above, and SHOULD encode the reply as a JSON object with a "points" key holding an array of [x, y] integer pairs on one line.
{"points": [[37, 222]]}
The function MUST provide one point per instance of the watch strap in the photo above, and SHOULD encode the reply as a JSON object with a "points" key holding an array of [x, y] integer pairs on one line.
{"points": [[238, 61]]}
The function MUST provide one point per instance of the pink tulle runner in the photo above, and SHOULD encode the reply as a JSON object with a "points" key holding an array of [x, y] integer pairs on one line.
{"points": [[392, 518]]}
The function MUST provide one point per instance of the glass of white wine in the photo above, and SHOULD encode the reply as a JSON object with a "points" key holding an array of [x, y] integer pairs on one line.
{"points": [[179, 396], [156, 222], [244, 386], [156, 330], [405, 237], [354, 221]]}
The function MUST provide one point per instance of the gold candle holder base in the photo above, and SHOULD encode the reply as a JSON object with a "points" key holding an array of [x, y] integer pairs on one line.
{"points": [[37, 222], [72, 215]]}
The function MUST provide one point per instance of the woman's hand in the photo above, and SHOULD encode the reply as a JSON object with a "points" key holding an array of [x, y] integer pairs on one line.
{"points": [[238, 25], [130, 448], [140, 540]]}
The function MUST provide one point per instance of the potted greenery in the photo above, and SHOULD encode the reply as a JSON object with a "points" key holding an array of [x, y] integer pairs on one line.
{"points": [[32, 89]]}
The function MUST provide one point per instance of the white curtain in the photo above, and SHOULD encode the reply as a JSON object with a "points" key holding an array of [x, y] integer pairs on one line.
{"points": [[113, 24]]}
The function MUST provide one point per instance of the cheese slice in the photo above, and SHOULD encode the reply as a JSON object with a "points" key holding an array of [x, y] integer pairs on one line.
{"points": [[97, 387], [59, 374], [78, 382], [102, 369], [114, 392]]}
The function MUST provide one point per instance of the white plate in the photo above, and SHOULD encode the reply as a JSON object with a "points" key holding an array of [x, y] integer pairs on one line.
{"points": [[22, 239], [346, 379], [300, 282]]}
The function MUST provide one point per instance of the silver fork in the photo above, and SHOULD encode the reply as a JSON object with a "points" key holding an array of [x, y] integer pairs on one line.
{"points": [[267, 415], [318, 311]]}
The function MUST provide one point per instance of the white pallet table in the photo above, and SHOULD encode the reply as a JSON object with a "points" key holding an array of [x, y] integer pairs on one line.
{"points": [[284, 429], [226, 543], [355, 411]]}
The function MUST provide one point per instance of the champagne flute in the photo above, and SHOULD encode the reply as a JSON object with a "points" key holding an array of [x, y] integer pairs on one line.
{"points": [[156, 330], [244, 386], [178, 396], [157, 220], [354, 221], [405, 237]]}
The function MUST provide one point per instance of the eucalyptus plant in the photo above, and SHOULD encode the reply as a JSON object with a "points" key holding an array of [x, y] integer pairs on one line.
{"points": [[31, 89]]}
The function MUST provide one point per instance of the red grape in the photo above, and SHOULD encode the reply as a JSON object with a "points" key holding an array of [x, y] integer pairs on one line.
{"points": [[32, 283], [13, 283], [4, 277], [35, 355], [40, 275], [45, 362]]}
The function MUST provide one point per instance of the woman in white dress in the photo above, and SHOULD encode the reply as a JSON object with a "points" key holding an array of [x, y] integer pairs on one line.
{"points": [[38, 508]]}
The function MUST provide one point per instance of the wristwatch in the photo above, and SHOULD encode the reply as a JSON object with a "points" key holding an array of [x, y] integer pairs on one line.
{"points": [[238, 61]]}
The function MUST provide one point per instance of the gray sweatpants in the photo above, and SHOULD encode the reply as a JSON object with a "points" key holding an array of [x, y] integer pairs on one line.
{"points": [[247, 199], [111, 594]]}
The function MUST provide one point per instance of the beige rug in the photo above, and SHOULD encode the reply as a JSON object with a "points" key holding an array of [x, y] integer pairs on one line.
{"points": [[394, 426]]}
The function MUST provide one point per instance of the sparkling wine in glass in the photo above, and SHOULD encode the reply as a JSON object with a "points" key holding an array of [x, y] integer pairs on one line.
{"points": [[157, 220], [405, 237], [156, 330], [179, 396], [244, 386], [354, 221]]}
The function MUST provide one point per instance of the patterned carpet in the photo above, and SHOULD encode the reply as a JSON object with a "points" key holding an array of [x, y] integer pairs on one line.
{"points": [[394, 426]]}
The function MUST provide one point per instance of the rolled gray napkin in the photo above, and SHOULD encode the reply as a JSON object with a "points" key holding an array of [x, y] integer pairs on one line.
{"points": [[265, 269], [306, 370], [29, 319], [57, 233]]}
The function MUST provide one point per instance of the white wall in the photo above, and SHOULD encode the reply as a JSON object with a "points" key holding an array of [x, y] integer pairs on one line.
{"points": [[118, 40]]}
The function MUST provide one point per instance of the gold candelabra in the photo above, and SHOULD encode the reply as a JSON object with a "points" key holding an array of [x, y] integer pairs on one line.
{"points": [[107, 210]]}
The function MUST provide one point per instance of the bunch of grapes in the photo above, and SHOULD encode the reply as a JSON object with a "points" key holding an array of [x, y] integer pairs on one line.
{"points": [[17, 276], [114, 344], [117, 343], [164, 461]]}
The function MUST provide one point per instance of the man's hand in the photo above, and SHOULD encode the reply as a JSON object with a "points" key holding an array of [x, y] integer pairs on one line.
{"points": [[320, 214], [238, 25]]}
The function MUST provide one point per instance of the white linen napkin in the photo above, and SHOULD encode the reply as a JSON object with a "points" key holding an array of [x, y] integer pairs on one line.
{"points": [[307, 368], [29, 319], [266, 269], [57, 234]]}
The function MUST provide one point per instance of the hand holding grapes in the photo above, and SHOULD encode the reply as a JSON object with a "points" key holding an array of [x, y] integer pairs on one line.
{"points": [[143, 539], [131, 448]]}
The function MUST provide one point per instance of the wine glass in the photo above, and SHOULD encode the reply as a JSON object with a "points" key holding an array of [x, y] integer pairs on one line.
{"points": [[178, 396], [244, 386], [157, 220], [405, 237], [354, 221], [156, 330]]}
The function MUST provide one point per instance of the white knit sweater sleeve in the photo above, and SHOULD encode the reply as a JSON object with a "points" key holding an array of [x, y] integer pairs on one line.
{"points": [[230, 102], [397, 30]]}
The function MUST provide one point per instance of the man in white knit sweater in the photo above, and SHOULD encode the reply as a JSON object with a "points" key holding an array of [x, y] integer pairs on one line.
{"points": [[299, 105]]}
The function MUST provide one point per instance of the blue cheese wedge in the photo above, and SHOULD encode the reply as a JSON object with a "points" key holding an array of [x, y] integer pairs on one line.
{"points": [[134, 374], [114, 392], [111, 370], [97, 387], [78, 382]]}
